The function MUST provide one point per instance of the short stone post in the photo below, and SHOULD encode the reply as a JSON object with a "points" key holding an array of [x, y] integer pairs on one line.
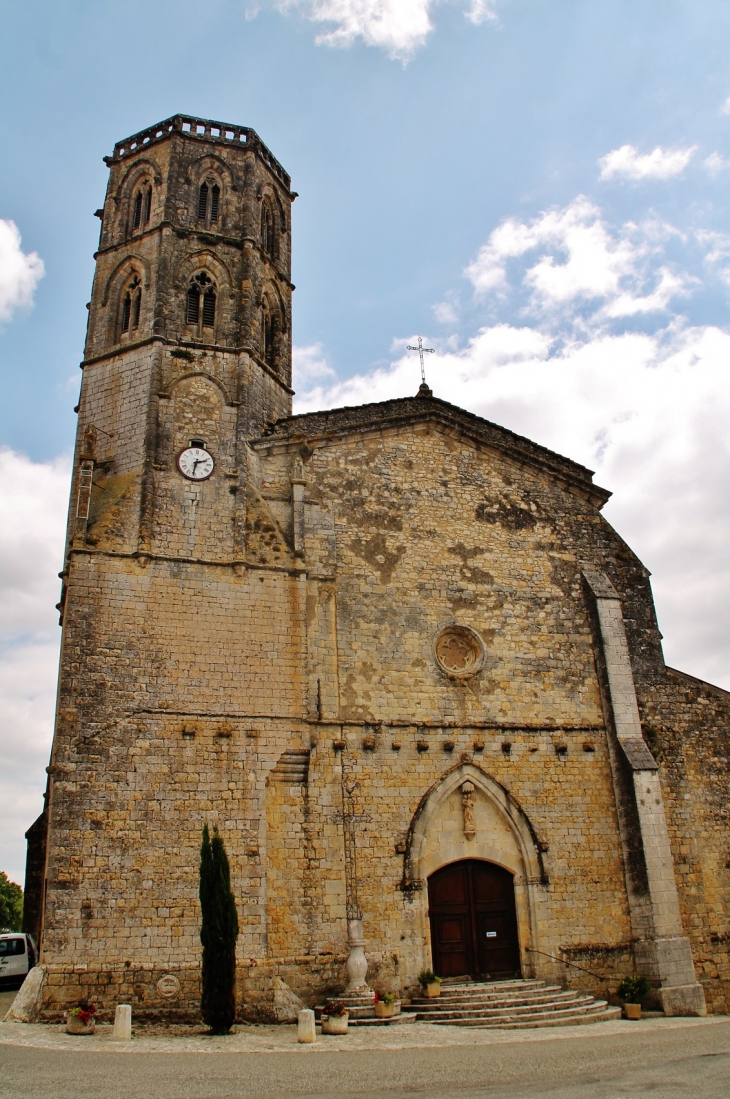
{"points": [[122, 1023], [306, 1030]]}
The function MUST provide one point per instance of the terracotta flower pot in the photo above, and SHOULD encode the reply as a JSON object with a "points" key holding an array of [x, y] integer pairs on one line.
{"points": [[434, 989], [632, 1011], [335, 1024], [75, 1025], [384, 1011]]}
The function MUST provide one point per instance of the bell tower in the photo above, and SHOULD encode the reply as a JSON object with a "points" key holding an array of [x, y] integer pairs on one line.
{"points": [[177, 573], [195, 254], [189, 337]]}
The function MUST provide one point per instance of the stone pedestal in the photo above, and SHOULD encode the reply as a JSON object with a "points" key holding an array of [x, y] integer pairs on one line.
{"points": [[357, 963]]}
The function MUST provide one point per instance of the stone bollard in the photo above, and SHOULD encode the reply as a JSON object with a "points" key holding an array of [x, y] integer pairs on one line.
{"points": [[122, 1023], [306, 1031]]}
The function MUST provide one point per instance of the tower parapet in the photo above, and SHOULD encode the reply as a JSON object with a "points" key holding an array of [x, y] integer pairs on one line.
{"points": [[200, 129]]}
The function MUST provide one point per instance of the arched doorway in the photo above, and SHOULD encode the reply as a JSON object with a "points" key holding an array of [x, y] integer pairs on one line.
{"points": [[471, 908]]}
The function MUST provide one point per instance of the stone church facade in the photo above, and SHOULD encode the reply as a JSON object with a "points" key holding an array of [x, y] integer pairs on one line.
{"points": [[393, 652]]}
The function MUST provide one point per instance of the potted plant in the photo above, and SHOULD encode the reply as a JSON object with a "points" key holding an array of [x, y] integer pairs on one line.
{"points": [[80, 1019], [632, 991], [385, 1005], [429, 982], [335, 1018]]}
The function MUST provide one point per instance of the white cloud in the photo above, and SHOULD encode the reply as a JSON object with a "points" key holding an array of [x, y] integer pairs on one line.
{"points": [[309, 364], [399, 27], [19, 272], [581, 260], [725, 108], [27, 702], [33, 501], [33, 505], [715, 163], [627, 304], [482, 11], [628, 163], [445, 312], [648, 412]]}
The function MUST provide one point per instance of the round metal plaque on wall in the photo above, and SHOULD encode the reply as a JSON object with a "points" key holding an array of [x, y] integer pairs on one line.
{"points": [[168, 986], [459, 651]]}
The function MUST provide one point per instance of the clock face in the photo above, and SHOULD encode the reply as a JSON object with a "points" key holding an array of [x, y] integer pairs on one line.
{"points": [[195, 463]]}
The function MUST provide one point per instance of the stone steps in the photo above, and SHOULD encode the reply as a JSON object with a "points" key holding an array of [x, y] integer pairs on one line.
{"points": [[395, 1020], [511, 1005], [550, 993]]}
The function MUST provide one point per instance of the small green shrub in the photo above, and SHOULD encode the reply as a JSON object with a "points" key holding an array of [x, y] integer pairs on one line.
{"points": [[427, 977], [632, 990]]}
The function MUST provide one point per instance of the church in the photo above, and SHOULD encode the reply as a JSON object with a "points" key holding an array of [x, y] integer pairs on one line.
{"points": [[393, 652]]}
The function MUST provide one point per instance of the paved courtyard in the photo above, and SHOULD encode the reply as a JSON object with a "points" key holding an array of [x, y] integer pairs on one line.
{"points": [[668, 1058]]}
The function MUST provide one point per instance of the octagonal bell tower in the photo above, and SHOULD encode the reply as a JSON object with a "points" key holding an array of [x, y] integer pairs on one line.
{"points": [[189, 336], [187, 358]]}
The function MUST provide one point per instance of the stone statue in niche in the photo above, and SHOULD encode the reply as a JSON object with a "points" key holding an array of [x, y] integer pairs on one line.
{"points": [[297, 471], [467, 804]]}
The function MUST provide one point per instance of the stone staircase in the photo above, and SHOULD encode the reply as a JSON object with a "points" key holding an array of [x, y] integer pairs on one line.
{"points": [[511, 1005], [361, 1008]]}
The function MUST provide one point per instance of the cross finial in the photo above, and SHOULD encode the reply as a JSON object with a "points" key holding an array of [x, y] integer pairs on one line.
{"points": [[421, 352]]}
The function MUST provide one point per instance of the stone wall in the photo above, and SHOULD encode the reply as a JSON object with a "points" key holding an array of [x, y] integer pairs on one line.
{"points": [[359, 612], [687, 724]]}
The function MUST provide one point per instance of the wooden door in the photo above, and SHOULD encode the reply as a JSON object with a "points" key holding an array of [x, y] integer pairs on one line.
{"points": [[471, 906]]}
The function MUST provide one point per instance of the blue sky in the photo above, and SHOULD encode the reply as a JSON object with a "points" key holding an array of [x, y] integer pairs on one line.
{"points": [[539, 187], [403, 170]]}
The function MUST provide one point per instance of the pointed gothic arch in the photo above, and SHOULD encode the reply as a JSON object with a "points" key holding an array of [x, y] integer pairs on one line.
{"points": [[135, 197], [418, 863], [501, 834], [120, 274], [125, 295], [273, 329]]}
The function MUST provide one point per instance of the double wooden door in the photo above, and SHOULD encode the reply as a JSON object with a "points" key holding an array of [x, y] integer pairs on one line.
{"points": [[471, 906]]}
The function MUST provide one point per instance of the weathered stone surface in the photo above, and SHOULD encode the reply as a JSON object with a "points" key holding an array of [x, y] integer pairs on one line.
{"points": [[287, 1004], [293, 634], [306, 1029], [26, 1007], [122, 1023]]}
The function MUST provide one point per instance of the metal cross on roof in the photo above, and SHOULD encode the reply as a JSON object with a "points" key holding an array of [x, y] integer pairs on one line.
{"points": [[421, 352]]}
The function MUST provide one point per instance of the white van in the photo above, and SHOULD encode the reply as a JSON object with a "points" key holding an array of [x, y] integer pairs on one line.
{"points": [[18, 955]]}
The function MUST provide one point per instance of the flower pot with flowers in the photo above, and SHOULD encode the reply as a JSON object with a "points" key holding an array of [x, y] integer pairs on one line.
{"points": [[335, 1018], [429, 982], [80, 1019], [385, 1005], [632, 991]]}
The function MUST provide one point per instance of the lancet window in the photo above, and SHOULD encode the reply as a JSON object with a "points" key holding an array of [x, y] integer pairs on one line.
{"points": [[131, 305], [269, 327], [200, 303], [209, 200], [142, 206], [267, 228]]}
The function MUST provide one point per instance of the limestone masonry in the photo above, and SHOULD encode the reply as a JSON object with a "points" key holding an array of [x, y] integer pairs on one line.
{"points": [[393, 652]]}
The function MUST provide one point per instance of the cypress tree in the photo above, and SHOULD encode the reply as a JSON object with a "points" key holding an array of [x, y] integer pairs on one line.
{"points": [[218, 935]]}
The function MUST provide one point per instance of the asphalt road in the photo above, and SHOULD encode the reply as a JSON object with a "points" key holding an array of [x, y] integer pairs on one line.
{"points": [[692, 1063]]}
